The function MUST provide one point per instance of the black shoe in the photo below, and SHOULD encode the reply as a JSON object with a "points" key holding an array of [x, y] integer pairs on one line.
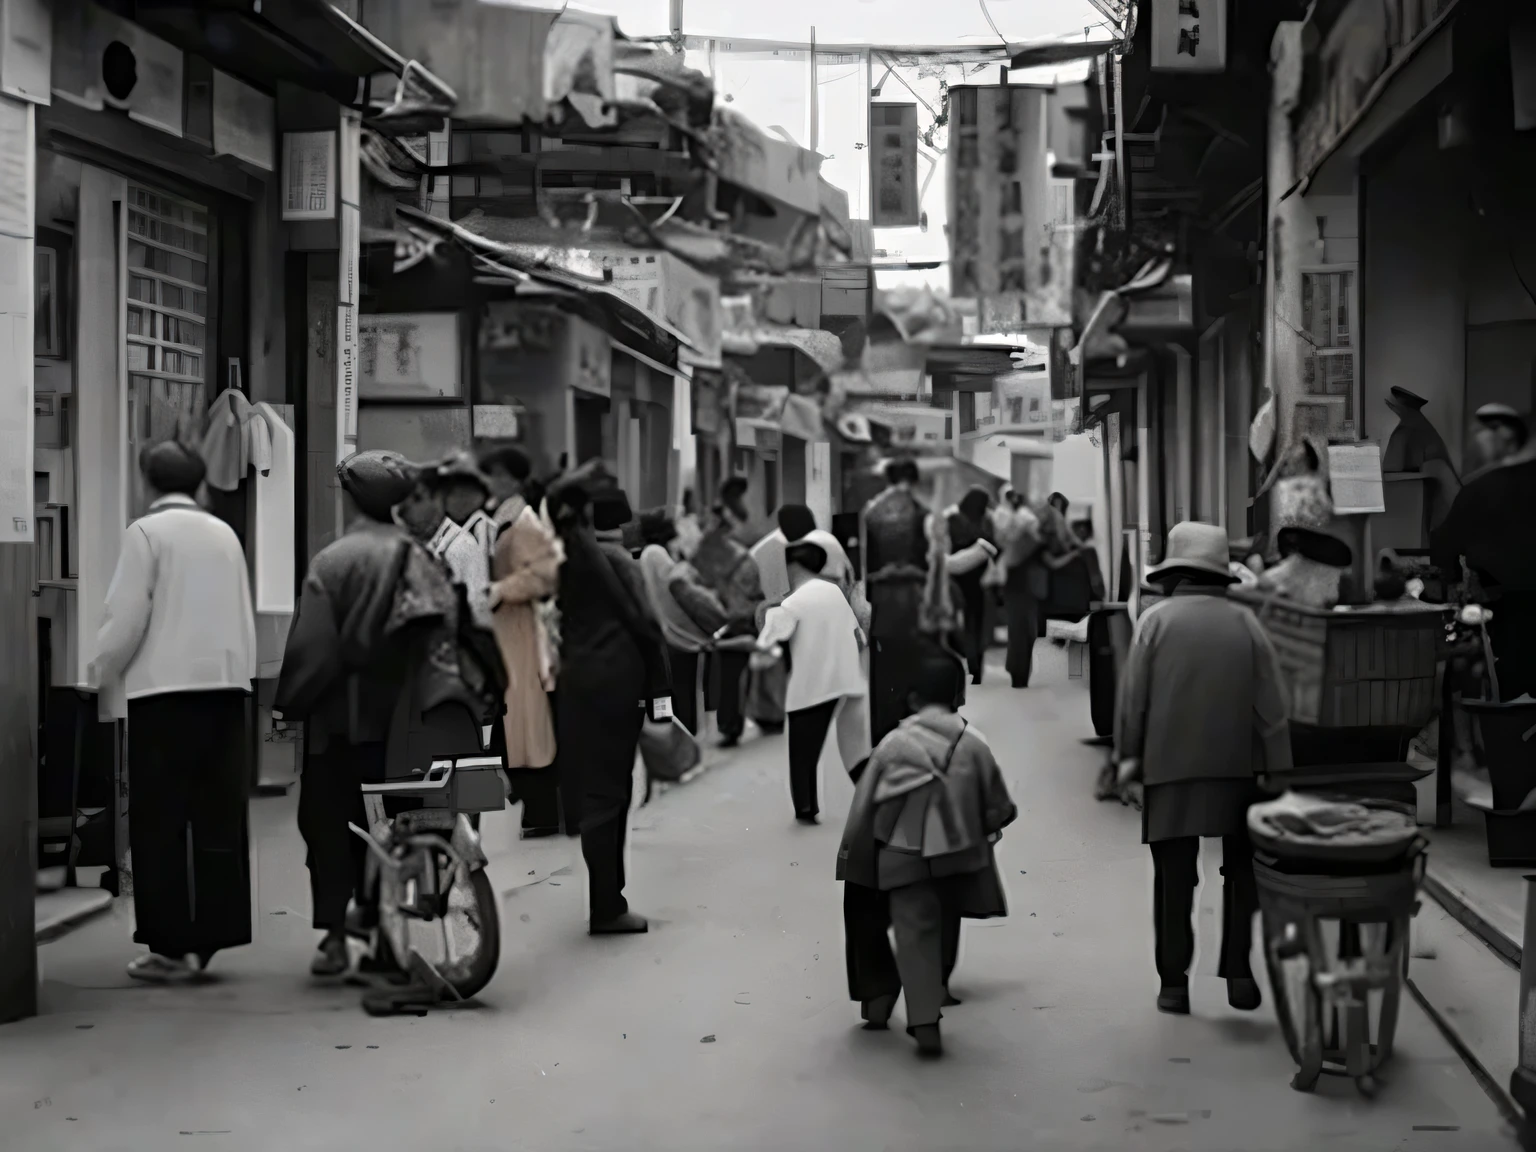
{"points": [[629, 924], [540, 832], [807, 818], [877, 1013], [1021, 683], [770, 729], [929, 1043], [729, 741], [331, 959], [1173, 1001], [1243, 994], [951, 1000]]}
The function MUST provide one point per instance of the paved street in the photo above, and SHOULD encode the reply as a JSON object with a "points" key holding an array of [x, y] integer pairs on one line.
{"points": [[728, 1026]]}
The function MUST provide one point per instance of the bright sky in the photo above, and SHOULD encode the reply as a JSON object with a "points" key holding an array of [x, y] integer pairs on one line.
{"points": [[775, 92], [878, 22]]}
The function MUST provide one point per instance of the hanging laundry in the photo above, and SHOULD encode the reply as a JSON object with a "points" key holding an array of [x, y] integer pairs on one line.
{"points": [[226, 445]]}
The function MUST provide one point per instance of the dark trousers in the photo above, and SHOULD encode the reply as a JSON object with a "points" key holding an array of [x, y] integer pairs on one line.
{"points": [[536, 789], [973, 600], [1023, 615], [602, 847], [685, 688], [330, 797], [1175, 867], [728, 672], [187, 827], [927, 926], [807, 736]]}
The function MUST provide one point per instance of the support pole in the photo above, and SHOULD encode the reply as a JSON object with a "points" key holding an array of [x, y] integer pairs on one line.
{"points": [[1522, 1082], [815, 97]]}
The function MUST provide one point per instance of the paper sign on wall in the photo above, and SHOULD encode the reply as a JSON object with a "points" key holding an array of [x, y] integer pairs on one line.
{"points": [[309, 175], [1354, 474]]}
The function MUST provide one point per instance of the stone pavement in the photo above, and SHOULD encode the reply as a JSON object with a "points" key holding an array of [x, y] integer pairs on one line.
{"points": [[727, 1027]]}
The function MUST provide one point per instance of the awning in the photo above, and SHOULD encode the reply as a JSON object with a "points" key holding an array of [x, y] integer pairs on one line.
{"points": [[310, 43], [507, 264], [744, 334], [747, 156]]}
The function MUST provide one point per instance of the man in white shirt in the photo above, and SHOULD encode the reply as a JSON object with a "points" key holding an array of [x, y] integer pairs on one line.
{"points": [[424, 515], [797, 522], [466, 492], [176, 653]]}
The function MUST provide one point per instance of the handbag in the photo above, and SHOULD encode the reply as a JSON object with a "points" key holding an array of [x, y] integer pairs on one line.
{"points": [[668, 750]]}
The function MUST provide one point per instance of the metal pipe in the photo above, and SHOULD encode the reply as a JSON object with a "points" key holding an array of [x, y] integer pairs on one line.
{"points": [[1522, 1082]]}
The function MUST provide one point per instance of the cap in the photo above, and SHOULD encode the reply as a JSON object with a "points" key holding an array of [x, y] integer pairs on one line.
{"points": [[1408, 399], [1499, 413]]}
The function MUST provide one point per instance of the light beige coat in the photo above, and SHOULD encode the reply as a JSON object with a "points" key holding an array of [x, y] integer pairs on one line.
{"points": [[525, 568]]}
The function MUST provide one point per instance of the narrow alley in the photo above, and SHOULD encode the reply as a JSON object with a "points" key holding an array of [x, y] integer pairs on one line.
{"points": [[728, 1026]]}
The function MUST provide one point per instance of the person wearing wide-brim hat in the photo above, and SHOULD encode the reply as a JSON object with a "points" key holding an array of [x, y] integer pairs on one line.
{"points": [[1201, 715]]}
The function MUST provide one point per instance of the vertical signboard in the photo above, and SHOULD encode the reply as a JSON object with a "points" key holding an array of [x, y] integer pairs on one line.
{"points": [[309, 175], [893, 166], [1189, 35], [16, 309], [1002, 231], [349, 186]]}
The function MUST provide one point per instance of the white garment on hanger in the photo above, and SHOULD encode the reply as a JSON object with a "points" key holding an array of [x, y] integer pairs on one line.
{"points": [[275, 494]]}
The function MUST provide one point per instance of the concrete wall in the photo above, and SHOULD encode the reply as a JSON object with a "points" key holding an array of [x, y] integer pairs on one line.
{"points": [[1413, 290]]}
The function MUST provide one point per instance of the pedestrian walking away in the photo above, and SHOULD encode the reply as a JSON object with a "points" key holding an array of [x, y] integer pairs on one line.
{"points": [[727, 567], [826, 678], [972, 549], [926, 813], [688, 612], [370, 603], [1201, 715], [176, 654], [612, 663]]}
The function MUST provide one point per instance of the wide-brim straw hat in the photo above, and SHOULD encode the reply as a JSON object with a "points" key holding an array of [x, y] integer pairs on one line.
{"points": [[1196, 547]]}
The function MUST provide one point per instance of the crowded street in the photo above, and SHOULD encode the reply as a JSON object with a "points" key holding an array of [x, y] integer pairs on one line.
{"points": [[729, 1025]]}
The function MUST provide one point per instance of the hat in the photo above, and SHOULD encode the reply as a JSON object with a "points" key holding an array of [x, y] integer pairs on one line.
{"points": [[796, 521], [377, 480], [459, 466], [1500, 414], [1304, 520], [1196, 547], [1403, 398]]}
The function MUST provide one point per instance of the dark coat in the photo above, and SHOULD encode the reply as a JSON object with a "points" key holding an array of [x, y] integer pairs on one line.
{"points": [[373, 605], [929, 804], [612, 659], [1201, 694]]}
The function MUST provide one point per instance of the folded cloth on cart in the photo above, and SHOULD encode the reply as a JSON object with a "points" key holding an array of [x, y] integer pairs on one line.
{"points": [[1298, 824]]}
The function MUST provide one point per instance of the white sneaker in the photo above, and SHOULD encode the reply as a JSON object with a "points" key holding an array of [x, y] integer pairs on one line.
{"points": [[156, 969]]}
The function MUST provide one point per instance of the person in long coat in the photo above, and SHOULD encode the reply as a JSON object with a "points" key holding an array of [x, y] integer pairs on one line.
{"points": [[525, 570], [178, 644], [727, 567], [971, 549], [613, 666], [1201, 715]]}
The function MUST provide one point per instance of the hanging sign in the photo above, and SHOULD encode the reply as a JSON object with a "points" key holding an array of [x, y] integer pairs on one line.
{"points": [[893, 166], [1189, 35], [348, 182]]}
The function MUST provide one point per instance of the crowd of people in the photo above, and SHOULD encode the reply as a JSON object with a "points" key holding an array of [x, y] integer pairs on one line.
{"points": [[574, 625]]}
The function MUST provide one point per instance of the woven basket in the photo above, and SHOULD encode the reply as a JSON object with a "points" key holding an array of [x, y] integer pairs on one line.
{"points": [[1354, 669]]}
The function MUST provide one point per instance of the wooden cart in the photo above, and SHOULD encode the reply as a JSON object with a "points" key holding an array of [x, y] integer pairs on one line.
{"points": [[1363, 682]]}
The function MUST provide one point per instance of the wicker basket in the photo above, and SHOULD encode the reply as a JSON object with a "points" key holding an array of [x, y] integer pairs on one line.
{"points": [[1356, 668]]}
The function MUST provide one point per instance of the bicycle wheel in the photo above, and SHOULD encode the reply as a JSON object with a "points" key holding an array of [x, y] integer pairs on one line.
{"points": [[471, 935]]}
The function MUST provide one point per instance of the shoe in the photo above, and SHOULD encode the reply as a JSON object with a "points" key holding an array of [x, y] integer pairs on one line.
{"points": [[629, 924], [539, 833], [951, 1000], [877, 1013], [153, 968], [770, 729], [1173, 1001], [1021, 683], [331, 957], [729, 741], [808, 818], [1243, 994], [929, 1043]]}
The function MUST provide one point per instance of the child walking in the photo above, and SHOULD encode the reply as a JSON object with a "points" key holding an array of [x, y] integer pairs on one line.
{"points": [[926, 812], [826, 676]]}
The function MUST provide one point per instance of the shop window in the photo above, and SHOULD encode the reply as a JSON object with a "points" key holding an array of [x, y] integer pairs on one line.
{"points": [[1328, 375], [168, 247]]}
